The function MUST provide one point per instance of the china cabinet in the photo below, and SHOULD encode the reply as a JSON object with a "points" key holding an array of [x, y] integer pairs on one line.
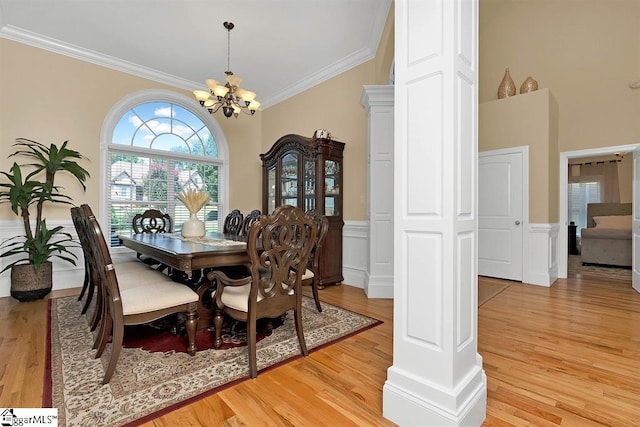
{"points": [[307, 172]]}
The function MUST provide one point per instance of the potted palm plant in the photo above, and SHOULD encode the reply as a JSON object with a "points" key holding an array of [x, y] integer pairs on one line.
{"points": [[31, 253]]}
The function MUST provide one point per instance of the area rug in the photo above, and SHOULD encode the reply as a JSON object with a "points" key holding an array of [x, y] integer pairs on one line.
{"points": [[147, 384], [488, 290], [576, 269]]}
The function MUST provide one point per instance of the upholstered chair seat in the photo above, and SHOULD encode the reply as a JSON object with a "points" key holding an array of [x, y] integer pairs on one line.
{"points": [[137, 298]]}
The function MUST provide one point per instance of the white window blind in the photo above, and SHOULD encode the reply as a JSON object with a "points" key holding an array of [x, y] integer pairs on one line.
{"points": [[580, 194]]}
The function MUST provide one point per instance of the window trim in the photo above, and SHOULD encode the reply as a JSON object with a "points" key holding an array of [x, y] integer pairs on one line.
{"points": [[130, 101]]}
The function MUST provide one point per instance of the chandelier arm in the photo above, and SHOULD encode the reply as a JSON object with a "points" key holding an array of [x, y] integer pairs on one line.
{"points": [[247, 111], [213, 110]]}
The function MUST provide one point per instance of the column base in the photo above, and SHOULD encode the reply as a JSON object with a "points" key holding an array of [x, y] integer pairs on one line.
{"points": [[405, 408]]}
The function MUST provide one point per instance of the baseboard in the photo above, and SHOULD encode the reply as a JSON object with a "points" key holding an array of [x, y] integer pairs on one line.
{"points": [[379, 286]]}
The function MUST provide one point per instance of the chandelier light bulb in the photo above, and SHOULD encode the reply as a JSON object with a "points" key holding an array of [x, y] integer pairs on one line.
{"points": [[201, 96], [211, 83], [247, 96], [220, 91]]}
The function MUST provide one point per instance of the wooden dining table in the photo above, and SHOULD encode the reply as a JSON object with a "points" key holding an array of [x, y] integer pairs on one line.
{"points": [[191, 258]]}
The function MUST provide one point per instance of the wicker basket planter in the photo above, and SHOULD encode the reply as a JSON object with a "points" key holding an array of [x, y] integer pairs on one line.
{"points": [[28, 284]]}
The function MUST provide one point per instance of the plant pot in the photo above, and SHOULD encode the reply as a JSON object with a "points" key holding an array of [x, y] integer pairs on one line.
{"points": [[28, 284]]}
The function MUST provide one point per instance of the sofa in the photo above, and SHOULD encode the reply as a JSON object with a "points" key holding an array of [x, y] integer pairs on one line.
{"points": [[607, 238]]}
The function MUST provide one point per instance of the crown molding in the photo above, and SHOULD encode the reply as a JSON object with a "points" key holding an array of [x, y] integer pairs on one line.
{"points": [[322, 75], [53, 45], [20, 35]]}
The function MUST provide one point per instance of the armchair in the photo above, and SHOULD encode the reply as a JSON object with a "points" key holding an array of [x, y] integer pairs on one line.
{"points": [[279, 246]]}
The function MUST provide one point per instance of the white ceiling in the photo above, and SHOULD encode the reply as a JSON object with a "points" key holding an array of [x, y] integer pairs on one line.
{"points": [[279, 47]]}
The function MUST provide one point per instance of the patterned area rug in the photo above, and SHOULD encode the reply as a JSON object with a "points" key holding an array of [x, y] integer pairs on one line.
{"points": [[576, 269], [146, 383]]}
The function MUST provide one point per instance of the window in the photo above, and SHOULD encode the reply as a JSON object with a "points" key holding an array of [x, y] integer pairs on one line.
{"points": [[591, 182], [158, 148], [580, 194]]}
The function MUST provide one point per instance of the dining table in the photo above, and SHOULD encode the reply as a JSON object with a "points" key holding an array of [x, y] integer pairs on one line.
{"points": [[190, 259]]}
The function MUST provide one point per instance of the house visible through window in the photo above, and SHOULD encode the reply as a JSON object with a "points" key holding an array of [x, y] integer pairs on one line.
{"points": [[157, 150]]}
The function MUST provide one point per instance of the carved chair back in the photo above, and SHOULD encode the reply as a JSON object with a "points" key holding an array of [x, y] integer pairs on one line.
{"points": [[233, 222], [249, 220], [152, 221], [279, 246]]}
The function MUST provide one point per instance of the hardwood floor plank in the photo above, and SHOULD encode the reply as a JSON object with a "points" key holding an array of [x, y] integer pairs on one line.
{"points": [[565, 355]]}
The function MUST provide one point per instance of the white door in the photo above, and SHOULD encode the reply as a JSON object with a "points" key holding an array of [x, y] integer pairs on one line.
{"points": [[635, 203], [500, 189]]}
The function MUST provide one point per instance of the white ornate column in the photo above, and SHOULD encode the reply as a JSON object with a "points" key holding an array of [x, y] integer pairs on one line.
{"points": [[378, 103], [436, 378]]}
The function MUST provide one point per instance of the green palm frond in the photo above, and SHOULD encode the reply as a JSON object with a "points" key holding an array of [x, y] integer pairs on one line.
{"points": [[23, 192]]}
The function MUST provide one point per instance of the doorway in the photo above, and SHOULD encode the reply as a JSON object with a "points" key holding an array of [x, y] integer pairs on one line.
{"points": [[565, 158]]}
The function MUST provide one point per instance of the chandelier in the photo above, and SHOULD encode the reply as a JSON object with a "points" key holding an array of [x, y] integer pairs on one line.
{"points": [[228, 96]]}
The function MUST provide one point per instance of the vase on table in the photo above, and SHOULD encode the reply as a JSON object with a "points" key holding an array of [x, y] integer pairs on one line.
{"points": [[507, 86], [193, 200], [193, 227]]}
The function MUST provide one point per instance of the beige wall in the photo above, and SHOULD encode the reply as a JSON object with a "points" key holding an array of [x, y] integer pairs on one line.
{"points": [[585, 53], [245, 173], [525, 120], [51, 98]]}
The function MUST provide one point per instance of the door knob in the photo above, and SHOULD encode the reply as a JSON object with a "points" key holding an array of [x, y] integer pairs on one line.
{"points": [[517, 222]]}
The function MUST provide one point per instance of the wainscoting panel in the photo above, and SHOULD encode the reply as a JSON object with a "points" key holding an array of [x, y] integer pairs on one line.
{"points": [[539, 263], [355, 253]]}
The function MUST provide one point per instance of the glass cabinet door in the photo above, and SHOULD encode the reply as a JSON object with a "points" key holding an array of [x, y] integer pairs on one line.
{"points": [[271, 189], [309, 184], [289, 180], [332, 188]]}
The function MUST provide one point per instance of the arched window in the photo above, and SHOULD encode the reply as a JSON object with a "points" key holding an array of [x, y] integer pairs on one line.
{"points": [[157, 145]]}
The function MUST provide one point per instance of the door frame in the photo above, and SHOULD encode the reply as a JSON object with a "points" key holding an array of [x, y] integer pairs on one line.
{"points": [[524, 151], [562, 244]]}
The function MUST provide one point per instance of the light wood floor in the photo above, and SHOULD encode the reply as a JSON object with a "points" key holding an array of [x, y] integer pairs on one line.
{"points": [[567, 355]]}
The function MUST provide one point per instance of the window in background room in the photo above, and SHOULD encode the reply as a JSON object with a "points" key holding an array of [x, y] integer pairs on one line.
{"points": [[581, 193], [591, 182], [159, 149]]}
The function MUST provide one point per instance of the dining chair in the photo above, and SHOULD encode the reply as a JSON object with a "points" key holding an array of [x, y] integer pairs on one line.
{"points": [[135, 298], [126, 264], [90, 282], [88, 286], [152, 221], [233, 222], [279, 246], [311, 276], [249, 220]]}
